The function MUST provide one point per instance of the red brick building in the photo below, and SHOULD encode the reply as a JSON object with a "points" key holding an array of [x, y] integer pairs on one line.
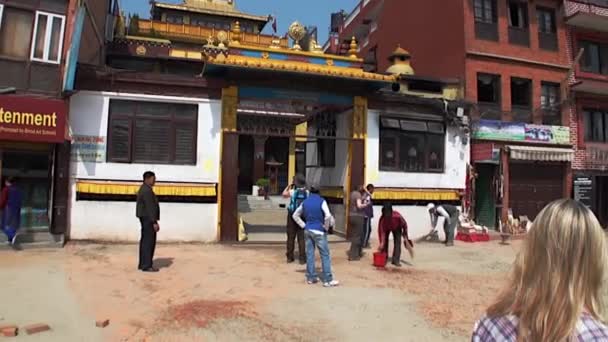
{"points": [[587, 23], [512, 59]]}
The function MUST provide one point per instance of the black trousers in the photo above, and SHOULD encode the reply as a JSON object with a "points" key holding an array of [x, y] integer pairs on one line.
{"points": [[147, 244], [396, 241], [356, 224], [450, 228], [294, 231]]}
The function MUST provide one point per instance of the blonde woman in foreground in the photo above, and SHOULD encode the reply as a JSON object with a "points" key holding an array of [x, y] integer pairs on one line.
{"points": [[555, 290]]}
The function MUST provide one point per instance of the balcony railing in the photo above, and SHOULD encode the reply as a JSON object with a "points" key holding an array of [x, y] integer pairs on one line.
{"points": [[486, 31], [519, 36], [192, 33], [588, 14], [489, 111], [521, 114], [548, 41], [596, 156]]}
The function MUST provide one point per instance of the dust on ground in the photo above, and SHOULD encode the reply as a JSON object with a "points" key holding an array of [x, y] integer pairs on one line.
{"points": [[237, 293]]}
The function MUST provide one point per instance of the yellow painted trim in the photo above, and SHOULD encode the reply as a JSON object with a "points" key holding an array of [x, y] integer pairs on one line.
{"points": [[189, 54], [416, 195], [301, 67], [332, 192], [131, 188], [302, 130], [219, 191], [302, 53], [148, 39], [291, 163]]}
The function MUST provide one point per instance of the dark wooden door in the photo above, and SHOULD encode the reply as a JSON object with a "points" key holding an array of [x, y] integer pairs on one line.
{"points": [[533, 186], [229, 193]]}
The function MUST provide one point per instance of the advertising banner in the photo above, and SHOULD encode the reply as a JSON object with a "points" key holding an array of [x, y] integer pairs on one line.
{"points": [[517, 131], [32, 120]]}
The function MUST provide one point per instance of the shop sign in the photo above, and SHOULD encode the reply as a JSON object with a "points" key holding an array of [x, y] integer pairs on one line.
{"points": [[517, 131], [90, 149], [31, 119], [583, 189]]}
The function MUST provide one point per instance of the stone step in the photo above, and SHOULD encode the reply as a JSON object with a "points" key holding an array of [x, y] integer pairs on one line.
{"points": [[33, 239]]}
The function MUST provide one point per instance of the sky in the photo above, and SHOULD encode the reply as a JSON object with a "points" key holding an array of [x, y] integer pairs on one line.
{"points": [[308, 12]]}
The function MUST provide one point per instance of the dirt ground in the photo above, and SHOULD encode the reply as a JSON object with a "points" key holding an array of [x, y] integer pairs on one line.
{"points": [[247, 293]]}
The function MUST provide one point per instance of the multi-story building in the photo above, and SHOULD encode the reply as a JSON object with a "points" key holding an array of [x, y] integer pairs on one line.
{"points": [[587, 23], [39, 49], [217, 112], [511, 60]]}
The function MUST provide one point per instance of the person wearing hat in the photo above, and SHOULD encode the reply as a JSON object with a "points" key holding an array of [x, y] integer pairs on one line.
{"points": [[314, 217], [450, 220], [297, 193]]}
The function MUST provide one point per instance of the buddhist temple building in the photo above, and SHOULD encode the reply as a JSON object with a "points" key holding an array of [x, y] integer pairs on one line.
{"points": [[217, 110]]}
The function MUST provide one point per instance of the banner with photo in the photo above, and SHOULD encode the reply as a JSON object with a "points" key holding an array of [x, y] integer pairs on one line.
{"points": [[517, 131]]}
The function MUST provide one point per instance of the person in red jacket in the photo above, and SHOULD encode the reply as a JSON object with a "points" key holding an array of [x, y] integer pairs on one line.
{"points": [[391, 222]]}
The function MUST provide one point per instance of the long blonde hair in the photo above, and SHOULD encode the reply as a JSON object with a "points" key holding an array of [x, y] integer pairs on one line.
{"points": [[557, 275]]}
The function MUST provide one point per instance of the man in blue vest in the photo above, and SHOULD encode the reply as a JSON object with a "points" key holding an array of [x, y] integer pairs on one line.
{"points": [[316, 223]]}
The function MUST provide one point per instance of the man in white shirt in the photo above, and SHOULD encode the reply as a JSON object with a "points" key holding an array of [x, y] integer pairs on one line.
{"points": [[314, 217], [450, 220]]}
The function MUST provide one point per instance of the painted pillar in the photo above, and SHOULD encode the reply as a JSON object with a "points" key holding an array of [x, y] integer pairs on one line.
{"points": [[259, 158], [506, 201], [301, 131], [356, 151], [291, 161], [227, 188]]}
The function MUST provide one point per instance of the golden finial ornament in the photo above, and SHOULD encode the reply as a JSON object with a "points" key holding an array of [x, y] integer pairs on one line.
{"points": [[275, 43], [315, 48], [296, 32], [236, 33], [210, 41], [222, 38], [353, 48]]}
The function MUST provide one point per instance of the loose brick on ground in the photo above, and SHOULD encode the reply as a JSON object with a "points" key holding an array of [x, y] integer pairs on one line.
{"points": [[9, 330], [102, 323], [36, 328]]}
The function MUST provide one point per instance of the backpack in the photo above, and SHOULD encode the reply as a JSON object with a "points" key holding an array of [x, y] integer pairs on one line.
{"points": [[299, 195]]}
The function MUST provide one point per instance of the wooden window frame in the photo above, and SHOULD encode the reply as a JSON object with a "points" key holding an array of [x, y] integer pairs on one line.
{"points": [[547, 40], [519, 35], [603, 68], [172, 123], [397, 134], [47, 39], [497, 88], [486, 28], [520, 112], [557, 110], [589, 125]]}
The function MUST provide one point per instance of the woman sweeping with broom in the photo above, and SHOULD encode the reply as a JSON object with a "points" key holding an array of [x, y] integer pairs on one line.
{"points": [[391, 222]]}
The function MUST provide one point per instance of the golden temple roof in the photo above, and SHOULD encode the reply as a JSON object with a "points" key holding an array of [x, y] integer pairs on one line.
{"points": [[212, 8], [300, 67]]}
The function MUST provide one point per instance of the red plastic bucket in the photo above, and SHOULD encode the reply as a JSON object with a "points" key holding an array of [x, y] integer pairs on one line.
{"points": [[379, 259]]}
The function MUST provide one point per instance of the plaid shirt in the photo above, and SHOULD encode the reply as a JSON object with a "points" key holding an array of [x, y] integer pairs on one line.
{"points": [[503, 329]]}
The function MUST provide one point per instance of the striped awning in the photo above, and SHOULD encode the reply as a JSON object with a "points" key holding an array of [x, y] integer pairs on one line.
{"points": [[541, 153]]}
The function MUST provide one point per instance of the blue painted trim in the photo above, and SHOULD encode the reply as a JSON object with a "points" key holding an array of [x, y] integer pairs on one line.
{"points": [[281, 94], [73, 54]]}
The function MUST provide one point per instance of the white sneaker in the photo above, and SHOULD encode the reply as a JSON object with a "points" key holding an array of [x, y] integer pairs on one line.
{"points": [[312, 282], [14, 239], [332, 283]]}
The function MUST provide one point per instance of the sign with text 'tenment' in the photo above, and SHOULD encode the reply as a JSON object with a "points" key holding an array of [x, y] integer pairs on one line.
{"points": [[32, 119]]}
